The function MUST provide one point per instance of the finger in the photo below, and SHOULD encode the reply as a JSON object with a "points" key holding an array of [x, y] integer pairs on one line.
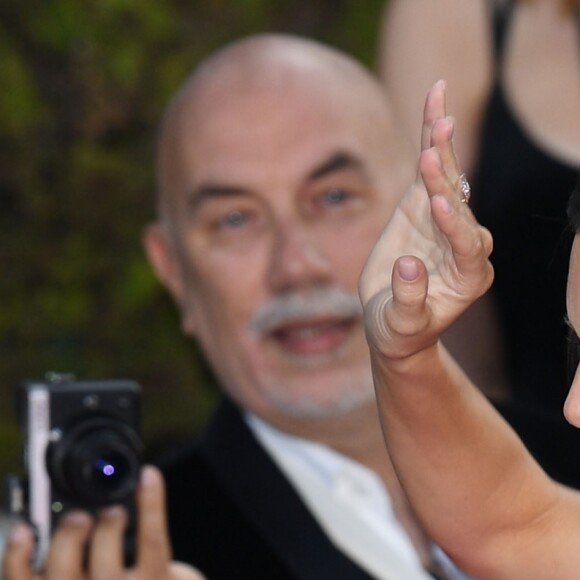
{"points": [[153, 550], [437, 182], [181, 571], [435, 108], [408, 313], [106, 555], [442, 140], [67, 550], [466, 237], [470, 244], [17, 562]]}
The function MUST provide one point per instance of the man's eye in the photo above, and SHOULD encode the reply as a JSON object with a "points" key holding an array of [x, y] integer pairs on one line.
{"points": [[335, 196], [234, 219]]}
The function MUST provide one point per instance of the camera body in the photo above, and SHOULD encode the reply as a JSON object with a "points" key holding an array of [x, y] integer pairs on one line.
{"points": [[81, 450]]}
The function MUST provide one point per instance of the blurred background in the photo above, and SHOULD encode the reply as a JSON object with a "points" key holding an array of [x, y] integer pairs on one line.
{"points": [[83, 84]]}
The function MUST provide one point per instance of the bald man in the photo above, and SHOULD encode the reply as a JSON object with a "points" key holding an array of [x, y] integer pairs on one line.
{"points": [[279, 163]]}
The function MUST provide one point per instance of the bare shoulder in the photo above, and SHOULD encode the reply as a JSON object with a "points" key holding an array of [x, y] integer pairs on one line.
{"points": [[453, 13], [423, 41], [443, 25]]}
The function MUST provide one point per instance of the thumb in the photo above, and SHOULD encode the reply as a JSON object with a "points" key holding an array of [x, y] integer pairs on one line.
{"points": [[408, 313]]}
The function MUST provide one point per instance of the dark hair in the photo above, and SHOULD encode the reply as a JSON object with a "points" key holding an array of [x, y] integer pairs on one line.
{"points": [[573, 210], [573, 358]]}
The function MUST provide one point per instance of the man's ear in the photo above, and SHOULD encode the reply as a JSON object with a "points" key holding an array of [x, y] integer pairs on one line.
{"points": [[162, 257]]}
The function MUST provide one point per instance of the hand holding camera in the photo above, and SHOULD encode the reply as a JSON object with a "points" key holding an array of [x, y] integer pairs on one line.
{"points": [[92, 509], [68, 559]]}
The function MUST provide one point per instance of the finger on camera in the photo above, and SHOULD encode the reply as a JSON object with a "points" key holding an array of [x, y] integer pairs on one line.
{"points": [[18, 554], [180, 571], [65, 557], [106, 552], [153, 549]]}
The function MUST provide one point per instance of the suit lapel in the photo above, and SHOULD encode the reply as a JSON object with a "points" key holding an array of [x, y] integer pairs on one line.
{"points": [[269, 502]]}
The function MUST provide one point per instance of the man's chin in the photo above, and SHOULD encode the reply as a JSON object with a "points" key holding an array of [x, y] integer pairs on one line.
{"points": [[309, 406]]}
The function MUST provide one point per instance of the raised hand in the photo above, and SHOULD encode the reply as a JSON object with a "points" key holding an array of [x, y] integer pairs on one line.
{"points": [[431, 261], [66, 555]]}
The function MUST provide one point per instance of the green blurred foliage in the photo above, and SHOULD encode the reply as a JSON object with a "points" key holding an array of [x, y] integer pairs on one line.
{"points": [[82, 86]]}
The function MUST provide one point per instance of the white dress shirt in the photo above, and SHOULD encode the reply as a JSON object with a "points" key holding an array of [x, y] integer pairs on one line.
{"points": [[350, 503]]}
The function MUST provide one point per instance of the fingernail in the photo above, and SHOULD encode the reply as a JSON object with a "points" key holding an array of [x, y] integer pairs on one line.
{"points": [[408, 269], [19, 534], [76, 518], [148, 477], [112, 512]]}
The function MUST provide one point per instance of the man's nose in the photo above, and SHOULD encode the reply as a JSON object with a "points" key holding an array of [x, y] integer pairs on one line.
{"points": [[298, 259]]}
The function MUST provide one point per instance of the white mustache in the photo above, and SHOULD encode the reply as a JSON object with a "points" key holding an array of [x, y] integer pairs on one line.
{"points": [[298, 306]]}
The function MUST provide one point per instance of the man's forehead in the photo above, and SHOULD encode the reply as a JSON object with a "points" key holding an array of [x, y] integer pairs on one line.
{"points": [[261, 102], [272, 126]]}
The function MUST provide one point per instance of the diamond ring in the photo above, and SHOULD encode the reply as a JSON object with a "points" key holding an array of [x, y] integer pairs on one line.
{"points": [[465, 188]]}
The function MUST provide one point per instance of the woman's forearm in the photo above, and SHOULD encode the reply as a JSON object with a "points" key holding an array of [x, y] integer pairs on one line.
{"points": [[470, 479]]}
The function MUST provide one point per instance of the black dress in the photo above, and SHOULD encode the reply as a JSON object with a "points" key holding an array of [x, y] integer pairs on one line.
{"points": [[521, 194]]}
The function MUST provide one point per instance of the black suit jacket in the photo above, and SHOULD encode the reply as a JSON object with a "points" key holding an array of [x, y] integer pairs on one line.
{"points": [[233, 514]]}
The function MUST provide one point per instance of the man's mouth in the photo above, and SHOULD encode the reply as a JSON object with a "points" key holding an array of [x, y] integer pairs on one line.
{"points": [[312, 337]]}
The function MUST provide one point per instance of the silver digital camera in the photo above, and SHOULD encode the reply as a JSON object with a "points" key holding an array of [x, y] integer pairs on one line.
{"points": [[82, 450]]}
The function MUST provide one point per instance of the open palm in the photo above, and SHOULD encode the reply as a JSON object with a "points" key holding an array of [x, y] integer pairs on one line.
{"points": [[431, 261]]}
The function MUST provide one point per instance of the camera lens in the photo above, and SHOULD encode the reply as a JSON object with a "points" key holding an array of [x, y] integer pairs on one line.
{"points": [[103, 466], [97, 463], [109, 470]]}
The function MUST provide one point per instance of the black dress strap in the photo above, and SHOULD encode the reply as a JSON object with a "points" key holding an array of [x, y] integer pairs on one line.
{"points": [[501, 16], [577, 15]]}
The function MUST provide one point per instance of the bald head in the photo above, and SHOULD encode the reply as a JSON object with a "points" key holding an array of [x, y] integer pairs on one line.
{"points": [[267, 72], [278, 60]]}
